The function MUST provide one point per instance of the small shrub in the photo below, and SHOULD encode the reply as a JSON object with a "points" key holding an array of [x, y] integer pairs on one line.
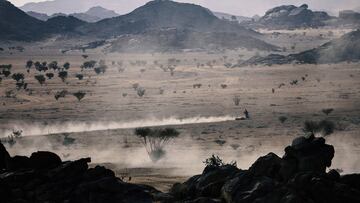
{"points": [[68, 140], [323, 127], [60, 94], [282, 119], [215, 162], [197, 86], [236, 100], [140, 91], [327, 111], [220, 142], [79, 76], [135, 86]]}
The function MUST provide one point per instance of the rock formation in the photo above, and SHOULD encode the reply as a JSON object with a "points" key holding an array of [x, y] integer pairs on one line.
{"points": [[299, 176]]}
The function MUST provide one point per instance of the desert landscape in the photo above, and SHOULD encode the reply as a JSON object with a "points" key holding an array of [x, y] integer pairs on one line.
{"points": [[153, 111]]}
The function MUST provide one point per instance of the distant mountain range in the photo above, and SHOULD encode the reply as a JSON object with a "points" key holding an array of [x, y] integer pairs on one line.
{"points": [[94, 14], [166, 24]]}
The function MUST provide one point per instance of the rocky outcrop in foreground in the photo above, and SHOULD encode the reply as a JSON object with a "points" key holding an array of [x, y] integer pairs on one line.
{"points": [[43, 177], [299, 176]]}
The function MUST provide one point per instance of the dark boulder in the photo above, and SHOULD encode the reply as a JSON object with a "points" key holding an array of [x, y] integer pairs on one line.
{"points": [[44, 160], [306, 155], [352, 180], [18, 163], [247, 189], [4, 155], [268, 165]]}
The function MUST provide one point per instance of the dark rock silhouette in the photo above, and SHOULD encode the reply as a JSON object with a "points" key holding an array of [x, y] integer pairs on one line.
{"points": [[299, 176], [45, 178]]}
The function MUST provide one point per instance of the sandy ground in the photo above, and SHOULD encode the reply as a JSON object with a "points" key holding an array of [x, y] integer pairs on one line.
{"points": [[110, 117]]}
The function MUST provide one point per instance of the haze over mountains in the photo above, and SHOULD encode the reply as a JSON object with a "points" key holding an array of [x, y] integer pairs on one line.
{"points": [[234, 7], [94, 14]]}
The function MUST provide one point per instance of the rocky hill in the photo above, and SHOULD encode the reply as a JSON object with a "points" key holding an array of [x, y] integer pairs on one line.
{"points": [[63, 24], [159, 25], [161, 14], [169, 40], [344, 49], [226, 16], [17, 25], [290, 17]]}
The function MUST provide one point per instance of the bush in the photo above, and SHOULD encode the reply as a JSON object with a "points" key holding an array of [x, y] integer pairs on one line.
{"points": [[140, 91], [323, 127], [68, 140], [216, 162], [11, 139], [282, 119], [60, 94], [236, 100], [80, 76], [327, 111], [100, 69]]}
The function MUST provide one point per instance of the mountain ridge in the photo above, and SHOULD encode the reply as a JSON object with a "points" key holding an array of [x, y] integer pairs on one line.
{"points": [[94, 14]]}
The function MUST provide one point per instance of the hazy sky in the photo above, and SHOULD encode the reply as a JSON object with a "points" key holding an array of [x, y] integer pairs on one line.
{"points": [[237, 7]]}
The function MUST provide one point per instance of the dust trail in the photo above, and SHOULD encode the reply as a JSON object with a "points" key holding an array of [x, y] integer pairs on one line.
{"points": [[73, 127]]}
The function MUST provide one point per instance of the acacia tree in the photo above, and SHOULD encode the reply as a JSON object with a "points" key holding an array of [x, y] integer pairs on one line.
{"points": [[29, 64], [79, 95], [88, 65], [53, 65], [40, 78], [60, 94], [327, 111], [155, 140], [49, 75], [79, 76], [18, 76], [66, 66], [63, 75]]}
